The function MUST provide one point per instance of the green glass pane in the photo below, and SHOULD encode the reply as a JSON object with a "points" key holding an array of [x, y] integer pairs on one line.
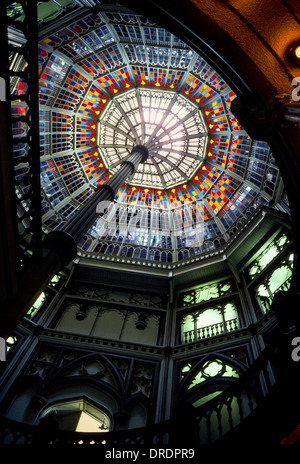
{"points": [[253, 270], [209, 317], [37, 304], [268, 256], [207, 293], [262, 291], [188, 323], [198, 379], [186, 368], [278, 277], [213, 368], [10, 342], [230, 372], [225, 288], [230, 311], [282, 240]]}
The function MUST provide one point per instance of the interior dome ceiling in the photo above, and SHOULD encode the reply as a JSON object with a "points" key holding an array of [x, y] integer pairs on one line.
{"points": [[113, 79], [171, 128]]}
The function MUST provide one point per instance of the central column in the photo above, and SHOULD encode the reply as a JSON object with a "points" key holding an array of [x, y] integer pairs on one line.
{"points": [[60, 247], [87, 215]]}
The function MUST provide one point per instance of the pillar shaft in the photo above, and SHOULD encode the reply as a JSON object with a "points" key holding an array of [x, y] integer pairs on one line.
{"points": [[87, 215], [60, 247]]}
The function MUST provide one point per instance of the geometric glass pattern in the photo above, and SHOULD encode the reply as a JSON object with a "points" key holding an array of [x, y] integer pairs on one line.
{"points": [[166, 123], [110, 80]]}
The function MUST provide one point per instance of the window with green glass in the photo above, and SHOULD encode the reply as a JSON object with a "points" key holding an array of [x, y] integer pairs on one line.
{"points": [[10, 342], [210, 369], [278, 280], [210, 322], [267, 255], [36, 305], [205, 293]]}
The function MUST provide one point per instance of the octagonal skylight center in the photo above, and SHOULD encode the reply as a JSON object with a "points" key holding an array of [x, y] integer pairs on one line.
{"points": [[170, 126]]}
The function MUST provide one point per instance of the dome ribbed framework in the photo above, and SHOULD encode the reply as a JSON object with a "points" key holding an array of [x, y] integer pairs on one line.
{"points": [[113, 80]]}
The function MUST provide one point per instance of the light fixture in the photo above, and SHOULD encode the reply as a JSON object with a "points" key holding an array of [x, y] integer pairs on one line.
{"points": [[81, 314], [141, 323], [295, 53]]}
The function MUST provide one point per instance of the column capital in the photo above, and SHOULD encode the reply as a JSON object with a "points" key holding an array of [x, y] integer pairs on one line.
{"points": [[141, 149], [63, 244]]}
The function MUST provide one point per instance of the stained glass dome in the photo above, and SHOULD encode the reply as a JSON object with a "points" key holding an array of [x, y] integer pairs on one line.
{"points": [[171, 128], [112, 79]]}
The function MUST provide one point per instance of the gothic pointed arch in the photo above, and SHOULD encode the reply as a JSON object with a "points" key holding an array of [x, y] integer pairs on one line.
{"points": [[94, 368], [213, 371]]}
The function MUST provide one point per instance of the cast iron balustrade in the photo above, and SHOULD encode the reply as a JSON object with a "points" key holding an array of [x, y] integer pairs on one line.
{"points": [[211, 330], [227, 410]]}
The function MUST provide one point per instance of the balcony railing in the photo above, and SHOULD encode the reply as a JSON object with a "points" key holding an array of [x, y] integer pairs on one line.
{"points": [[15, 433], [210, 330], [226, 411]]}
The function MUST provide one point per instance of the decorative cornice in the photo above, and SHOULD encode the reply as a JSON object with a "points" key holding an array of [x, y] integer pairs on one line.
{"points": [[226, 339]]}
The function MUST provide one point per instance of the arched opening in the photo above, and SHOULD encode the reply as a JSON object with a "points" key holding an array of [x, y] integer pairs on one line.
{"points": [[77, 416]]}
